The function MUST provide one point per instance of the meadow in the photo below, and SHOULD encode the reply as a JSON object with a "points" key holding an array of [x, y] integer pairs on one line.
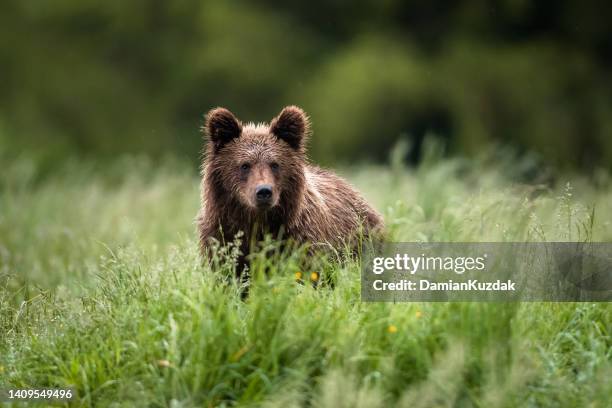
{"points": [[102, 289]]}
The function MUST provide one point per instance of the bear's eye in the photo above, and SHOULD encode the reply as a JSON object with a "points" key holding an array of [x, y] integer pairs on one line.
{"points": [[245, 166], [274, 166]]}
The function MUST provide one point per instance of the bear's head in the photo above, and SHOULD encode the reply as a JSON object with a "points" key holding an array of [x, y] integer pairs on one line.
{"points": [[261, 166]]}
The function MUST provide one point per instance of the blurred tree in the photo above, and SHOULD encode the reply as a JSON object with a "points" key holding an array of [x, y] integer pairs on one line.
{"points": [[84, 77]]}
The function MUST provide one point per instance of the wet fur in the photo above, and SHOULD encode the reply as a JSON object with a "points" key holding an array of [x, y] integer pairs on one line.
{"points": [[313, 205]]}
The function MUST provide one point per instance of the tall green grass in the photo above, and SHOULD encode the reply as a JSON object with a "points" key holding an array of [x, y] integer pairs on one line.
{"points": [[101, 288]]}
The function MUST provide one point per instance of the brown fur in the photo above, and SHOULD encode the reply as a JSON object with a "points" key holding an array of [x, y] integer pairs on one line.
{"points": [[308, 204]]}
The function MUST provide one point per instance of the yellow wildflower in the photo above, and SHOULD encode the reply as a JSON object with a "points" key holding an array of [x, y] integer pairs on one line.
{"points": [[392, 329], [164, 363]]}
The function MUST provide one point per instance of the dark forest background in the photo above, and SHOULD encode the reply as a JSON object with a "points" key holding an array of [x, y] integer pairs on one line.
{"points": [[81, 78]]}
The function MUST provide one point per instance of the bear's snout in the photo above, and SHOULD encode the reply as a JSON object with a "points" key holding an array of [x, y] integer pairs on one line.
{"points": [[263, 195]]}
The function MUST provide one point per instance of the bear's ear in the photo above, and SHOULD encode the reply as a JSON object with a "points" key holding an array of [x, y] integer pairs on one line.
{"points": [[221, 127], [292, 126]]}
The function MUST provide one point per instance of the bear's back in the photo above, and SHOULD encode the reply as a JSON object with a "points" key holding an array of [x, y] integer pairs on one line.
{"points": [[332, 211]]}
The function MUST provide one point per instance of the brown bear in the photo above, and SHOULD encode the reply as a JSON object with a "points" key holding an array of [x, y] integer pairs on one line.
{"points": [[256, 178]]}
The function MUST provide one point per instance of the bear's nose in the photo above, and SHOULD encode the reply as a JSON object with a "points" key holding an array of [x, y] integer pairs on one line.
{"points": [[263, 193]]}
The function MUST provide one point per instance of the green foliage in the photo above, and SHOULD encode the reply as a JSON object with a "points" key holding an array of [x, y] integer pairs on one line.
{"points": [[101, 287], [84, 77]]}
